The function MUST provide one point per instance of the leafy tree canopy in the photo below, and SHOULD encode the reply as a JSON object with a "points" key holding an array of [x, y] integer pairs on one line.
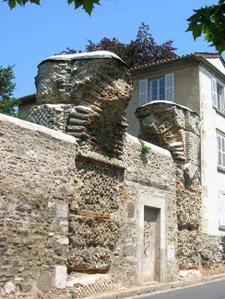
{"points": [[142, 50], [7, 102], [210, 21], [87, 5]]}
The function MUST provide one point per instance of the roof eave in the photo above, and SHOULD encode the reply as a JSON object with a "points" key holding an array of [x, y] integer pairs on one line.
{"points": [[183, 60], [180, 60], [212, 68]]}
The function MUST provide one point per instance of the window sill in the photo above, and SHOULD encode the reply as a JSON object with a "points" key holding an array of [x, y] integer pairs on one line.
{"points": [[159, 101], [222, 113], [221, 168], [222, 227]]}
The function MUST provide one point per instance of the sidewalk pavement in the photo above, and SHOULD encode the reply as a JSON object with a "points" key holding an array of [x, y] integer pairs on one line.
{"points": [[152, 288]]}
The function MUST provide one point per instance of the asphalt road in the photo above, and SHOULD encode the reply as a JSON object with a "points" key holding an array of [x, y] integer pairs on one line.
{"points": [[212, 290]]}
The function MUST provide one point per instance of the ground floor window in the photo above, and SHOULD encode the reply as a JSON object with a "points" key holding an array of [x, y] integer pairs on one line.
{"points": [[222, 210]]}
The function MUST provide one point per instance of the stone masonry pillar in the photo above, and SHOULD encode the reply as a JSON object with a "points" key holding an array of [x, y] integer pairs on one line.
{"points": [[86, 95]]}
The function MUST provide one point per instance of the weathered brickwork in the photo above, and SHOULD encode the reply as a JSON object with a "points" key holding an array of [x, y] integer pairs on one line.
{"points": [[51, 116], [93, 231], [91, 94], [99, 187]]}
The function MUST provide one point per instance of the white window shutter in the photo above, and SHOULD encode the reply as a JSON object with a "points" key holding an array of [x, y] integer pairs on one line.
{"points": [[150, 91], [222, 208], [224, 99], [143, 92], [214, 93], [169, 87]]}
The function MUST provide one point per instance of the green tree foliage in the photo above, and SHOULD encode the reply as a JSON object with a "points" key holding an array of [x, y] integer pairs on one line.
{"points": [[7, 103], [210, 21], [87, 5], [142, 50]]}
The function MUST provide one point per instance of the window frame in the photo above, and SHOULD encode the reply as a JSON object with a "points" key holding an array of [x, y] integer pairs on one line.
{"points": [[220, 101], [143, 92], [168, 88], [150, 82], [220, 150], [218, 104], [221, 197]]}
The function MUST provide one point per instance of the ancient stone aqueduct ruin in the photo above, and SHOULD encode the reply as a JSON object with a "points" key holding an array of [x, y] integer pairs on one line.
{"points": [[96, 200]]}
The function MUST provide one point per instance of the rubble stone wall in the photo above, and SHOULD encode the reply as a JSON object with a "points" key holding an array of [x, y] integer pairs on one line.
{"points": [[37, 169], [93, 230], [154, 174], [63, 209]]}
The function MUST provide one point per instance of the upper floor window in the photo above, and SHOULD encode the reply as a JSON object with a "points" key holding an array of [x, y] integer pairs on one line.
{"points": [[221, 149], [161, 89], [218, 95]]}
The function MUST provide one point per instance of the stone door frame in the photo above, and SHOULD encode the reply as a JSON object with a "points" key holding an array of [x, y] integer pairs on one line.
{"points": [[147, 198]]}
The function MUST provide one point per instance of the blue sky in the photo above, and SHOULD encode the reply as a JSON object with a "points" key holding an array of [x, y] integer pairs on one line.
{"points": [[33, 33]]}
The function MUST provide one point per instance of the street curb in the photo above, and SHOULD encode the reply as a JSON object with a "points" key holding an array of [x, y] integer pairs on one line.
{"points": [[142, 290]]}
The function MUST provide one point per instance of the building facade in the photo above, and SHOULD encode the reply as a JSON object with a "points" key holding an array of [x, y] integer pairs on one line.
{"points": [[195, 81]]}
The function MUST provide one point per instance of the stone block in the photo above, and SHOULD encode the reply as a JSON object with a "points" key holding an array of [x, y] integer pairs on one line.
{"points": [[60, 276], [45, 281], [9, 288], [61, 209]]}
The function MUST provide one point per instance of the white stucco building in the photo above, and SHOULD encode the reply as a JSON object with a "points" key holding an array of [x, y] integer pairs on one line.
{"points": [[212, 112], [196, 81]]}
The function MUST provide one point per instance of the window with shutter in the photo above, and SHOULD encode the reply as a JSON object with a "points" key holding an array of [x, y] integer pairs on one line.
{"points": [[214, 92], [143, 92], [222, 210], [224, 99], [169, 87], [156, 89], [218, 95], [221, 149]]}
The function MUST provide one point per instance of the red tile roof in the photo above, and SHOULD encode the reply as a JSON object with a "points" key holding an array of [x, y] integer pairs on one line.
{"points": [[178, 58]]}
